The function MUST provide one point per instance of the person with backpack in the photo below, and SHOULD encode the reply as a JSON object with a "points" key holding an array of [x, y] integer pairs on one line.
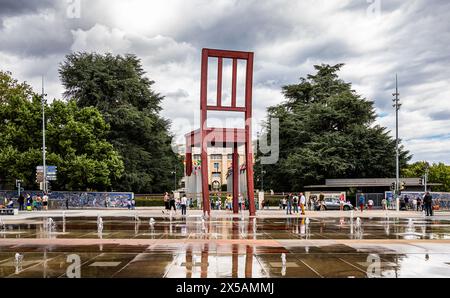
{"points": [[29, 202]]}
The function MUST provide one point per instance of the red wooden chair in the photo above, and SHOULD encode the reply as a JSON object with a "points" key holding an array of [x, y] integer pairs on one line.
{"points": [[227, 137]]}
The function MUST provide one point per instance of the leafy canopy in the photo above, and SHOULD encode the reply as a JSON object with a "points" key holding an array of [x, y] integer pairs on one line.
{"points": [[75, 139], [327, 130], [118, 87]]}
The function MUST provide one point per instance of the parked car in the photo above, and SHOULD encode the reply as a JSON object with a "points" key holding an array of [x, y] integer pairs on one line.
{"points": [[333, 204]]}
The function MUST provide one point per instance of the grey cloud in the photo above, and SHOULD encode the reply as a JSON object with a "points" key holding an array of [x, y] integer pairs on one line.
{"points": [[19, 7], [288, 37], [441, 115], [178, 94], [244, 25]]}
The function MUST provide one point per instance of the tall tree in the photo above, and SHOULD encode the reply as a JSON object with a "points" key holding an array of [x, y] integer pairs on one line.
{"points": [[327, 130], [76, 141], [117, 86]]}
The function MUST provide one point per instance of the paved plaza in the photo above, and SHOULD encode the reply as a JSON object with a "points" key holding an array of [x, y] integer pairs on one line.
{"points": [[148, 243]]}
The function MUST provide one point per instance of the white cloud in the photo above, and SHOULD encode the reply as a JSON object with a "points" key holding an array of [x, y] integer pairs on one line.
{"points": [[406, 37]]}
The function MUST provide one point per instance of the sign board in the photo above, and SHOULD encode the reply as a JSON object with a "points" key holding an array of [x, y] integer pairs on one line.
{"points": [[51, 173], [50, 169]]}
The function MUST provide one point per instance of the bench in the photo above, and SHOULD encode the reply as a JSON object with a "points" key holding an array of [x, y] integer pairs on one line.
{"points": [[8, 211]]}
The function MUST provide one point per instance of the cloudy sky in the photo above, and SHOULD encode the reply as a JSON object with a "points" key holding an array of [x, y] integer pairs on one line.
{"points": [[374, 38]]}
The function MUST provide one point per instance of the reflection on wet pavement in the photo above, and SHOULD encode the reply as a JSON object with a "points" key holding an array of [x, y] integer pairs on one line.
{"points": [[225, 247]]}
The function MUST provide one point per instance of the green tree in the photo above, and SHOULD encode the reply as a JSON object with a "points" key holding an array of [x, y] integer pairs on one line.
{"points": [[76, 141], [117, 86], [327, 130], [437, 173]]}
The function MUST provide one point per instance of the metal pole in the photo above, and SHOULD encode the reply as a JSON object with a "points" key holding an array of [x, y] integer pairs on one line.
{"points": [[397, 165], [426, 179], [262, 178], [175, 180], [44, 188]]}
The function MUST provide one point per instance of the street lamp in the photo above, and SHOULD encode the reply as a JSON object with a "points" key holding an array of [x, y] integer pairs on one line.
{"points": [[18, 185], [174, 179], [44, 188], [262, 178], [397, 106], [258, 134], [425, 179]]}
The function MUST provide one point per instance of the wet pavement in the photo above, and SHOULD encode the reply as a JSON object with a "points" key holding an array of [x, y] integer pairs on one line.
{"points": [[224, 246]]}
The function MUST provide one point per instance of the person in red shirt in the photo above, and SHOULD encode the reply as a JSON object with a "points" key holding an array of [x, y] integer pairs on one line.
{"points": [[341, 201]]}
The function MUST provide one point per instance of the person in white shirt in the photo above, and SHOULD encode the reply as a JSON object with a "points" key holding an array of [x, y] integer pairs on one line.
{"points": [[370, 203], [183, 204], [302, 203], [45, 201]]}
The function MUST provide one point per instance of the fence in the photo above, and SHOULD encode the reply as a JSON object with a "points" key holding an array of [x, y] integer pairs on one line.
{"points": [[77, 199], [439, 198]]}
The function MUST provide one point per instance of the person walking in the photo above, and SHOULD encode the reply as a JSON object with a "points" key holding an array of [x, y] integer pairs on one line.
{"points": [[166, 201], [384, 204], [183, 204], [361, 202], [241, 202], [406, 199], [45, 201], [419, 204], [428, 202], [284, 203], [289, 204], [229, 202], [302, 203], [172, 203], [414, 203], [341, 202], [370, 204], [295, 201], [29, 202], [21, 201]]}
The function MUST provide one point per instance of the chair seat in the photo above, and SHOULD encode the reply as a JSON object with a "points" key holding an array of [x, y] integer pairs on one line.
{"points": [[216, 135]]}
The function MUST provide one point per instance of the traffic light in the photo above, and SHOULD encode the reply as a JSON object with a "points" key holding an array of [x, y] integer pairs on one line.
{"points": [[393, 186], [402, 185]]}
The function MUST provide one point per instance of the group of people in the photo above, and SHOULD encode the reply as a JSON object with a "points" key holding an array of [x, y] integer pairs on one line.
{"points": [[216, 201], [170, 202], [292, 202], [227, 204], [27, 202], [421, 204]]}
